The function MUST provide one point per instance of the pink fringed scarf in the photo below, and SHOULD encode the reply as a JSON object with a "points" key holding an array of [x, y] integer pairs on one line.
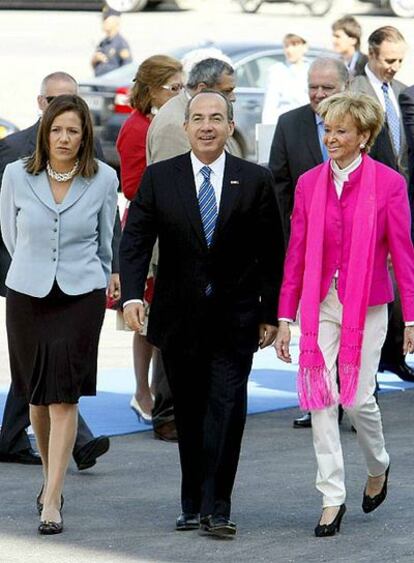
{"points": [[314, 383]]}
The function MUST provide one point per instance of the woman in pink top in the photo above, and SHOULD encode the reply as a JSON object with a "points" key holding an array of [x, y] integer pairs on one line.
{"points": [[158, 79], [350, 214]]}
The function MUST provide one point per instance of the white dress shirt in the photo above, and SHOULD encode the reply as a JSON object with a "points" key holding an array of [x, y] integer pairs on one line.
{"points": [[216, 179], [216, 176], [376, 83]]}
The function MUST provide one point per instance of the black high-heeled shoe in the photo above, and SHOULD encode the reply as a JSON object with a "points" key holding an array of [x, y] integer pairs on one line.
{"points": [[39, 505], [325, 530], [371, 503], [49, 528]]}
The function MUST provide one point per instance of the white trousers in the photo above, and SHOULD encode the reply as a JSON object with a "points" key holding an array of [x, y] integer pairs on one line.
{"points": [[364, 415]]}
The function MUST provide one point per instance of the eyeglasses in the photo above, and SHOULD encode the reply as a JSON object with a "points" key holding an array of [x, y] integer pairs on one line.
{"points": [[49, 98], [173, 87]]}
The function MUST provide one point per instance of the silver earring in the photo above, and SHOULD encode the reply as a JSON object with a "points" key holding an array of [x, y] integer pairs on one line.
{"points": [[362, 146]]}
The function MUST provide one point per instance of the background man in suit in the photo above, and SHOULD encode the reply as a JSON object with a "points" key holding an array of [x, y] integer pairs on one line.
{"points": [[406, 100], [297, 145], [220, 266], [346, 41], [386, 51], [166, 138], [14, 442]]}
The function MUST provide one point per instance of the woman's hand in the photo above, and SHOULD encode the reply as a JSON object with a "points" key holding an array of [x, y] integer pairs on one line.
{"points": [[408, 346], [282, 342], [114, 289]]}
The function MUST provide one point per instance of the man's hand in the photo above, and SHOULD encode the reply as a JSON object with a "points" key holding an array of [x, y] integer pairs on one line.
{"points": [[134, 316], [408, 346], [114, 288], [282, 342], [267, 334]]}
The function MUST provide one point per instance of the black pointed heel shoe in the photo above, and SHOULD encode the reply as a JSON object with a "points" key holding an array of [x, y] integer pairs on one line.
{"points": [[39, 505], [371, 503], [326, 530], [49, 528]]}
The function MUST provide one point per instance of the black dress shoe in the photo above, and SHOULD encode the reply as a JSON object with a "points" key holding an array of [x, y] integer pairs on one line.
{"points": [[326, 530], [49, 528], [371, 503], [187, 521], [86, 456], [402, 369], [304, 421], [26, 457], [166, 432], [218, 526]]}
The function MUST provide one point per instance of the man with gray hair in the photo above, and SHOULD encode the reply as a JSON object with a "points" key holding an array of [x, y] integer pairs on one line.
{"points": [[297, 144], [167, 138], [15, 446]]}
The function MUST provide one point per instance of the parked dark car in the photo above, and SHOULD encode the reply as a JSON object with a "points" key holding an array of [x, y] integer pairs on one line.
{"points": [[107, 96], [120, 5], [7, 128]]}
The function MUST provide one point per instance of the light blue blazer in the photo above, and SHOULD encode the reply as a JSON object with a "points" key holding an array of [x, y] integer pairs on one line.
{"points": [[69, 242]]}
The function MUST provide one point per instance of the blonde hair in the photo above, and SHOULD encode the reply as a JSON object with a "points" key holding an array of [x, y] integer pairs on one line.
{"points": [[152, 73], [365, 112]]}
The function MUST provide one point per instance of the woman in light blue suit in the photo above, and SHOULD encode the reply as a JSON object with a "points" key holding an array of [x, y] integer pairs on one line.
{"points": [[57, 211]]}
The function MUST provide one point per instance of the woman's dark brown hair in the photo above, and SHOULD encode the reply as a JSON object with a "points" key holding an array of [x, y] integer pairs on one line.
{"points": [[152, 73], [61, 104]]}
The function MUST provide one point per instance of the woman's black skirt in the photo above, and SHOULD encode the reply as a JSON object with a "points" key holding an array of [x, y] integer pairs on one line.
{"points": [[53, 344]]}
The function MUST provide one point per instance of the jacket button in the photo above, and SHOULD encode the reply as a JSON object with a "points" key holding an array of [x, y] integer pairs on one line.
{"points": [[56, 220], [55, 230], [53, 259], [54, 250]]}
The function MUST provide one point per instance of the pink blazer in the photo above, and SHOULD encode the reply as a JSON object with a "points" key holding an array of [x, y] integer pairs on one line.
{"points": [[393, 237]]}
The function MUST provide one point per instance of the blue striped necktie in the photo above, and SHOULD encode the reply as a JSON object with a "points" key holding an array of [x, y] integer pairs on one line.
{"points": [[392, 118], [208, 209]]}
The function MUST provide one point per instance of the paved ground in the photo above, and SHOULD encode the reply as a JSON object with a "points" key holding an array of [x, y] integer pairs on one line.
{"points": [[124, 509]]}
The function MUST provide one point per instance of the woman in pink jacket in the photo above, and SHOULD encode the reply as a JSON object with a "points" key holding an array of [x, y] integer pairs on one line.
{"points": [[350, 214]]}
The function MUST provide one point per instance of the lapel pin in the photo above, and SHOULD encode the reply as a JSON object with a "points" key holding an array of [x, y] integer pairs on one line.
{"points": [[234, 182]]}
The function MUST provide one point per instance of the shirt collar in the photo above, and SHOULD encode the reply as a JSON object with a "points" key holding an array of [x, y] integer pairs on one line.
{"points": [[217, 167], [318, 119], [343, 173], [372, 77]]}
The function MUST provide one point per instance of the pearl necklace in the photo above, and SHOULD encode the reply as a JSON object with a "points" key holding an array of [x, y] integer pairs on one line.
{"points": [[62, 176]]}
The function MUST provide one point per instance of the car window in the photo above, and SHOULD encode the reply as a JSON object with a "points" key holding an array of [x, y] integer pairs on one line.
{"points": [[254, 73]]}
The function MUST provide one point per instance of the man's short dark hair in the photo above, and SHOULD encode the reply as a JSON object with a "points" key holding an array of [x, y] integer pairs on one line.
{"points": [[385, 33], [350, 26], [209, 72], [229, 105]]}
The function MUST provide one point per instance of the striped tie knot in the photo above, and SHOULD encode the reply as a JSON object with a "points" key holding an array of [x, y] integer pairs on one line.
{"points": [[206, 172]]}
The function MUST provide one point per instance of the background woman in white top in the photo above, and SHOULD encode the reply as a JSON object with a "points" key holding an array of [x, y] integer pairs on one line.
{"points": [[287, 86]]}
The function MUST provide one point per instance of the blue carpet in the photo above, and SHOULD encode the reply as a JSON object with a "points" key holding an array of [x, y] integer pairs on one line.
{"points": [[272, 386]]}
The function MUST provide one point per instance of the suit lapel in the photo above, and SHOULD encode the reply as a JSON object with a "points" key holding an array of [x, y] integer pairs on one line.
{"points": [[76, 191], [310, 135], [230, 193], [187, 191], [41, 187]]}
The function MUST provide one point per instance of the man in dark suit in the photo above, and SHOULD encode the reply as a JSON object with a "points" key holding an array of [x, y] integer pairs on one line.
{"points": [[15, 446], [215, 299], [406, 100], [297, 145], [386, 52], [346, 41]]}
